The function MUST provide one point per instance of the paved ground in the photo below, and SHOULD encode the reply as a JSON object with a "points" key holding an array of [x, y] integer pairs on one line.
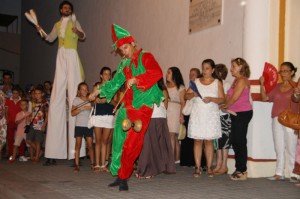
{"points": [[34, 181]]}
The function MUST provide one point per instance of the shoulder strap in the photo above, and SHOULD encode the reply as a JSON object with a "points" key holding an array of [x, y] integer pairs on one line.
{"points": [[35, 114]]}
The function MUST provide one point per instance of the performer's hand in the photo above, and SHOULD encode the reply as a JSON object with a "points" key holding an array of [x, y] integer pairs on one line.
{"points": [[131, 81], [75, 30], [39, 30]]}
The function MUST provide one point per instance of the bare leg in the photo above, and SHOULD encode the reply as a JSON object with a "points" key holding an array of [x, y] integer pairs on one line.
{"points": [[209, 154], [105, 135], [172, 137], [38, 150], [177, 149], [109, 144], [32, 148], [77, 150], [15, 150], [224, 161], [98, 138], [219, 160], [197, 156], [89, 141]]}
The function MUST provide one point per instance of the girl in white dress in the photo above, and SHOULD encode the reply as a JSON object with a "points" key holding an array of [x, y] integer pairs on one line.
{"points": [[204, 124]]}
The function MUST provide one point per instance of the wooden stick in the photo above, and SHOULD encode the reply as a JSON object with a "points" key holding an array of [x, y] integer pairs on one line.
{"points": [[115, 109], [80, 105]]}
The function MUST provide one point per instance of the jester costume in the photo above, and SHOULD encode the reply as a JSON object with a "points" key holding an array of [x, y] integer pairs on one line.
{"points": [[137, 103]]}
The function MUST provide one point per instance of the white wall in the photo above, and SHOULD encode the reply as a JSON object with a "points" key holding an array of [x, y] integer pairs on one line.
{"points": [[292, 35], [160, 27]]}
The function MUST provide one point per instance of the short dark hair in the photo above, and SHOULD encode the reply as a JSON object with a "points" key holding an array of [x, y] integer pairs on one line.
{"points": [[49, 82], [65, 3], [221, 71], [39, 88], [24, 100], [7, 74], [104, 68], [197, 70], [16, 88], [291, 66]]}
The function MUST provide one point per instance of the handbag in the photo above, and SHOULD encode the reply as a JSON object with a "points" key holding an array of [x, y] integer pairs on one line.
{"points": [[187, 109], [182, 132], [28, 127], [290, 119], [92, 118]]}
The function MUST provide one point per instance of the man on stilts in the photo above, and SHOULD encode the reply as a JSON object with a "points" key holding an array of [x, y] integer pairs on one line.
{"points": [[68, 74]]}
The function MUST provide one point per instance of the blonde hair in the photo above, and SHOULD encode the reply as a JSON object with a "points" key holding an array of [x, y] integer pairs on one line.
{"points": [[245, 70]]}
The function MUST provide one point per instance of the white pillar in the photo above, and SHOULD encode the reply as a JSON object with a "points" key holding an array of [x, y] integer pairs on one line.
{"points": [[255, 35]]}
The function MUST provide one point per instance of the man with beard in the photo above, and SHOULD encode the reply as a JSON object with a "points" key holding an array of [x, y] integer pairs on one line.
{"points": [[68, 75]]}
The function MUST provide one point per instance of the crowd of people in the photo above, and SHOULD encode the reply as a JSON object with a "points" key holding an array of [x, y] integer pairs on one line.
{"points": [[211, 128], [131, 119]]}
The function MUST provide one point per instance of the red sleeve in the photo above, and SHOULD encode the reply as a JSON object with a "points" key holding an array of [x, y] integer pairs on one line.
{"points": [[152, 75]]}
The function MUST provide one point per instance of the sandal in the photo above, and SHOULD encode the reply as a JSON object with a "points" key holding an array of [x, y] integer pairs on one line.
{"points": [[104, 169], [97, 168], [237, 175], [210, 173], [92, 166], [197, 172]]}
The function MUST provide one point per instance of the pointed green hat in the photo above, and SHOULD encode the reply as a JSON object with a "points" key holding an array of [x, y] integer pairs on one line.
{"points": [[120, 36]]}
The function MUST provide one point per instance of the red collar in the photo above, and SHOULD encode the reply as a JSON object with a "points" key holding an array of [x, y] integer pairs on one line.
{"points": [[135, 57], [136, 54]]}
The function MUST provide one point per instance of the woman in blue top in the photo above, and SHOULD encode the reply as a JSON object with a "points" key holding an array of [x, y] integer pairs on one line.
{"points": [[104, 123]]}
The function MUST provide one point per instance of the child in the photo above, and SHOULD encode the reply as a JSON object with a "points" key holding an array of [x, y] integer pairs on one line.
{"points": [[36, 134], [81, 130], [22, 119], [12, 108]]}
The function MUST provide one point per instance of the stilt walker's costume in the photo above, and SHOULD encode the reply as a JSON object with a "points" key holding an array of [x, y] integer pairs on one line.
{"points": [[137, 103], [68, 75]]}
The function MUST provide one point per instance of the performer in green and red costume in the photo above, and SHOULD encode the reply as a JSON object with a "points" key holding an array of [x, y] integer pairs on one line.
{"points": [[140, 72]]}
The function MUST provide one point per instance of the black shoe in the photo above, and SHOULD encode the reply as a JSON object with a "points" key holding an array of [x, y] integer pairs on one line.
{"points": [[53, 162], [123, 186], [47, 163], [117, 182]]}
